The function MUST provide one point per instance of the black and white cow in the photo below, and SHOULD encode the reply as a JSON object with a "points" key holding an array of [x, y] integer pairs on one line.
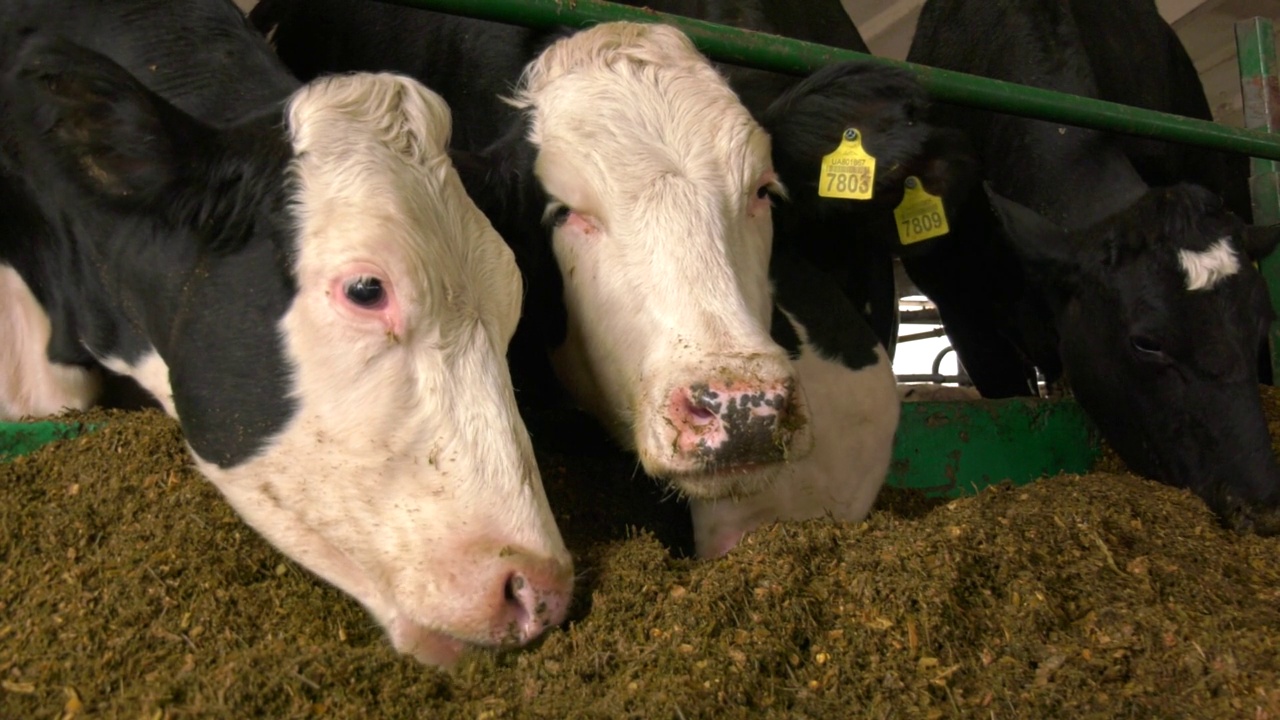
{"points": [[852, 241], [296, 274], [1146, 298], [636, 190]]}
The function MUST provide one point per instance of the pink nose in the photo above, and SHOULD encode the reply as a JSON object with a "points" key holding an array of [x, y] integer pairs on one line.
{"points": [[728, 424], [536, 596]]}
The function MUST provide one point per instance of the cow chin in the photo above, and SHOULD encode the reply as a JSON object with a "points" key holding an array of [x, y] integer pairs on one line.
{"points": [[428, 646]]}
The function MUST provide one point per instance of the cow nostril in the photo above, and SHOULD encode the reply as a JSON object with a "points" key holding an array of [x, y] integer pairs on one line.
{"points": [[700, 415], [521, 600]]}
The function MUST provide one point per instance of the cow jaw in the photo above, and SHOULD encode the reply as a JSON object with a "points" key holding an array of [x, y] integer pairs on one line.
{"points": [[30, 384], [658, 180]]}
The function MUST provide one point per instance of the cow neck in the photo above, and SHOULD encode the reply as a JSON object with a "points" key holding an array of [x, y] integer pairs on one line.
{"points": [[1080, 176]]}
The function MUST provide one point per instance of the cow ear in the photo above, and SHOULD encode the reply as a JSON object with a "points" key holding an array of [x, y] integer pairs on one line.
{"points": [[808, 120], [117, 137], [1260, 240], [1040, 244]]}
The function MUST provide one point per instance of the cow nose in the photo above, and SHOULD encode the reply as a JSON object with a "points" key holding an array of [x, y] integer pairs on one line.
{"points": [[535, 597], [728, 423]]}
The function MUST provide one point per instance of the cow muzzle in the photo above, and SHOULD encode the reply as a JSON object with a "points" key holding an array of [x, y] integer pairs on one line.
{"points": [[727, 435]]}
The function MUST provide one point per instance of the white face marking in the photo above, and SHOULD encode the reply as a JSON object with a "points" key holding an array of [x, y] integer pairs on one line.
{"points": [[31, 385], [853, 415], [663, 241], [1205, 268], [405, 477]]}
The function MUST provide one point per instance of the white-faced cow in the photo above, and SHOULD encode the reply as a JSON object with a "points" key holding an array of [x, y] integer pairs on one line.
{"points": [[851, 241], [296, 274], [636, 190], [1145, 297]]}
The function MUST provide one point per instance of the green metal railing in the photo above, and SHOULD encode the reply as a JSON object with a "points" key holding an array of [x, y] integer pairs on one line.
{"points": [[770, 52], [1260, 92]]}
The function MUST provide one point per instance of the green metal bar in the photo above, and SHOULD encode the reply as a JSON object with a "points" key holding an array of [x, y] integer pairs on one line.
{"points": [[1260, 89], [20, 438], [952, 449], [770, 52]]}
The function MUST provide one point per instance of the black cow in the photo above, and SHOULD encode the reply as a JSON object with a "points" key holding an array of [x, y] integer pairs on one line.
{"points": [[1071, 262], [296, 274], [645, 240]]}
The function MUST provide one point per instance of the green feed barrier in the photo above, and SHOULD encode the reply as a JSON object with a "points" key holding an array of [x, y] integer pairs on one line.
{"points": [[942, 448], [952, 449], [770, 52], [18, 438]]}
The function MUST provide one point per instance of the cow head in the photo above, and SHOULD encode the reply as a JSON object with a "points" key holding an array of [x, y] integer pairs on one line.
{"points": [[326, 312], [888, 107], [1160, 313], [656, 186]]}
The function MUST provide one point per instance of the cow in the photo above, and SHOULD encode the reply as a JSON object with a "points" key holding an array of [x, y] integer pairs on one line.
{"points": [[853, 242], [1067, 260], [297, 275], [636, 190]]}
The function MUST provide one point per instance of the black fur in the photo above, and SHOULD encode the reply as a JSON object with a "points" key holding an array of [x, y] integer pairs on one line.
{"points": [[138, 226]]}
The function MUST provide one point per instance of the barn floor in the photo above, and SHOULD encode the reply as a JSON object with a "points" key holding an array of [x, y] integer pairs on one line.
{"points": [[128, 589]]}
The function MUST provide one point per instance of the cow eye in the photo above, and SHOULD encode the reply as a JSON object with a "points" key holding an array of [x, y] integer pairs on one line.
{"points": [[560, 215], [365, 292], [762, 192], [1146, 348]]}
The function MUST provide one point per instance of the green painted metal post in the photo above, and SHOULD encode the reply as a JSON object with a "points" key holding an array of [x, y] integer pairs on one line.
{"points": [[1260, 89], [771, 52]]}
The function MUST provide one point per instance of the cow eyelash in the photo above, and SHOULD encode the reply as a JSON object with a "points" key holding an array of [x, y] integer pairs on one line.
{"points": [[772, 190], [556, 215]]}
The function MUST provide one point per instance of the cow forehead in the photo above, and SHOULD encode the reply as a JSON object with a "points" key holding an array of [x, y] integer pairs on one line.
{"points": [[1205, 268], [634, 102], [374, 183]]}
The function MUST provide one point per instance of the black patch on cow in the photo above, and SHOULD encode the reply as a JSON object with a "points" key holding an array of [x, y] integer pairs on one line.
{"points": [[834, 327], [784, 333], [139, 227]]}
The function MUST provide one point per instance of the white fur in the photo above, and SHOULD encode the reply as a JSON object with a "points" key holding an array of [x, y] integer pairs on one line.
{"points": [[665, 258], [405, 477], [31, 385], [853, 415], [1206, 268]]}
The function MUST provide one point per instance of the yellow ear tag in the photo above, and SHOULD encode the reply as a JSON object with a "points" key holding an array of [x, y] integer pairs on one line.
{"points": [[920, 215], [848, 172]]}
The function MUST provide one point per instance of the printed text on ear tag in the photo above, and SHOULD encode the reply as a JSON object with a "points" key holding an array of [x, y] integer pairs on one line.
{"points": [[920, 215], [848, 172]]}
